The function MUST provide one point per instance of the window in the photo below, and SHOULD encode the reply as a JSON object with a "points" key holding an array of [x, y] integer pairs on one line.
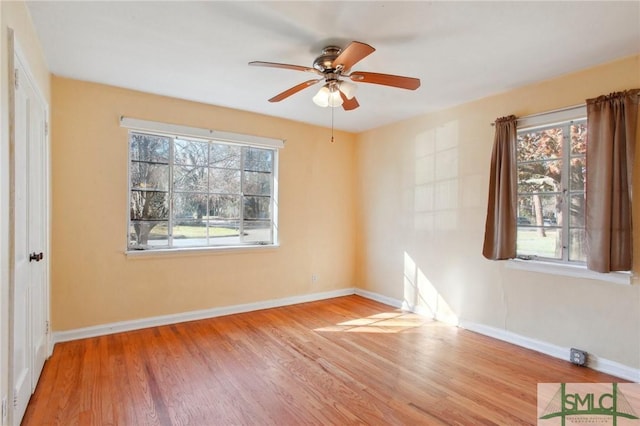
{"points": [[551, 169], [188, 192]]}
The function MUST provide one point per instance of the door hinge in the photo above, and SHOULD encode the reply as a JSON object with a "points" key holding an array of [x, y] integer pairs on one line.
{"points": [[46, 325], [4, 410], [16, 81], [15, 398]]}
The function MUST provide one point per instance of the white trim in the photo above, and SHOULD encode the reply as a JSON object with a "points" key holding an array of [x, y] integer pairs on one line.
{"points": [[380, 298], [200, 133], [121, 326], [576, 271], [422, 311], [614, 368], [594, 362], [550, 118], [187, 251]]}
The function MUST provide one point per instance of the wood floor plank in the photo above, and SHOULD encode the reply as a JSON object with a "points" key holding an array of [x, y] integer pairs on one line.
{"points": [[341, 361]]}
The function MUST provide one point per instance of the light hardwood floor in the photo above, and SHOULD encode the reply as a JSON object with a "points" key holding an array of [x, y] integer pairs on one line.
{"points": [[341, 361]]}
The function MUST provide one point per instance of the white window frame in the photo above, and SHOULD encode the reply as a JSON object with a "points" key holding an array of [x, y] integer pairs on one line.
{"points": [[559, 267], [208, 135]]}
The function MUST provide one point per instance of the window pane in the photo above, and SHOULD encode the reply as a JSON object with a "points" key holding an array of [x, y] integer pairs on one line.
{"points": [[192, 153], [190, 178], [255, 231], [188, 207], [258, 160], [224, 232], [256, 183], [149, 176], [578, 174], [578, 138], [540, 210], [224, 181], [190, 234], [576, 211], [193, 193], [540, 176], [539, 241], [257, 207], [148, 233], [224, 156], [224, 206], [540, 145], [150, 148], [149, 205], [577, 245], [550, 204]]}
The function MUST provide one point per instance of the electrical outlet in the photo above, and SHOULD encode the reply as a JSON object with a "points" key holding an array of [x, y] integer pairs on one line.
{"points": [[578, 357], [314, 278]]}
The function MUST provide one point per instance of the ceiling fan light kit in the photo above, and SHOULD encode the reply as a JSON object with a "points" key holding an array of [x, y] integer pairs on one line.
{"points": [[327, 96], [334, 66]]}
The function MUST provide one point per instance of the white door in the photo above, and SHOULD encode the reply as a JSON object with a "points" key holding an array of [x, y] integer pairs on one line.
{"points": [[29, 340], [37, 167]]}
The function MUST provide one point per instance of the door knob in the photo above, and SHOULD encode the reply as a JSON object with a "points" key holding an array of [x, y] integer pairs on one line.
{"points": [[36, 256]]}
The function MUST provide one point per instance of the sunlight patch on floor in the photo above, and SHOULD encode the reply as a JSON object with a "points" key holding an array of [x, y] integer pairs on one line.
{"points": [[386, 322]]}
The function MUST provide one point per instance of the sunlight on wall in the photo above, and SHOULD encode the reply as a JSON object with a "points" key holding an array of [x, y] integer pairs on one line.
{"points": [[435, 190], [422, 297]]}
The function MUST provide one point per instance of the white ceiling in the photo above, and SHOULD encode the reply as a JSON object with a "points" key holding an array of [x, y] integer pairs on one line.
{"points": [[460, 50]]}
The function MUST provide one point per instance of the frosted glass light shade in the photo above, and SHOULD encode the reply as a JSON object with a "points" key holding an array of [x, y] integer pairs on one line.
{"points": [[348, 89], [328, 97], [335, 100], [322, 97]]}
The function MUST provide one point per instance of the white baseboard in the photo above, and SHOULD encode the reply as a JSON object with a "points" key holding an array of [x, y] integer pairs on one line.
{"points": [[378, 298], [614, 368], [594, 362], [117, 327]]}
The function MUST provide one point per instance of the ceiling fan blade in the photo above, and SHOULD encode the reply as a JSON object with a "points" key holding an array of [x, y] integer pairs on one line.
{"points": [[349, 104], [352, 54], [293, 90], [285, 66], [385, 79]]}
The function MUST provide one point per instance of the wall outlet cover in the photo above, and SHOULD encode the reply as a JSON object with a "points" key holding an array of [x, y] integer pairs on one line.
{"points": [[578, 356]]}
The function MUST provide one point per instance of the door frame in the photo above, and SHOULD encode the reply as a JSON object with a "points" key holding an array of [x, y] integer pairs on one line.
{"points": [[15, 53]]}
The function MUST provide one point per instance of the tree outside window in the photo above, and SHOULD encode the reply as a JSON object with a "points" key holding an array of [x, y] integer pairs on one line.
{"points": [[193, 193], [551, 168]]}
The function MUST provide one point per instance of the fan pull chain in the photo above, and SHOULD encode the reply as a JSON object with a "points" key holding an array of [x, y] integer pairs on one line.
{"points": [[332, 125]]}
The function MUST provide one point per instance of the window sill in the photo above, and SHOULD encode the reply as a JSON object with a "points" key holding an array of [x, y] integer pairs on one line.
{"points": [[575, 271], [198, 251]]}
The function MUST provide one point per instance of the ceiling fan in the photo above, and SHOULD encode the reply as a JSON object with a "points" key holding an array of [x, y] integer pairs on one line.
{"points": [[334, 66]]}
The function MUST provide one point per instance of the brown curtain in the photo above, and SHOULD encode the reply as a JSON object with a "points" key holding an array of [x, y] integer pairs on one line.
{"points": [[611, 126], [500, 228]]}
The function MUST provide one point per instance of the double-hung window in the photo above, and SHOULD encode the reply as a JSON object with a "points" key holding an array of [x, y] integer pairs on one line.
{"points": [[551, 170], [187, 191]]}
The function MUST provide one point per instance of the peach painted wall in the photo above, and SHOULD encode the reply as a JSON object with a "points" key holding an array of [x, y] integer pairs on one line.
{"points": [[422, 188], [94, 282]]}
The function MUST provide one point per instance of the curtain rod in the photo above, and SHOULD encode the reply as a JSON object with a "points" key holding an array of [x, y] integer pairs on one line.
{"points": [[553, 111], [568, 108]]}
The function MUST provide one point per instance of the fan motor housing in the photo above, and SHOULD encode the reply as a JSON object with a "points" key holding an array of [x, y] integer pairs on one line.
{"points": [[324, 62]]}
